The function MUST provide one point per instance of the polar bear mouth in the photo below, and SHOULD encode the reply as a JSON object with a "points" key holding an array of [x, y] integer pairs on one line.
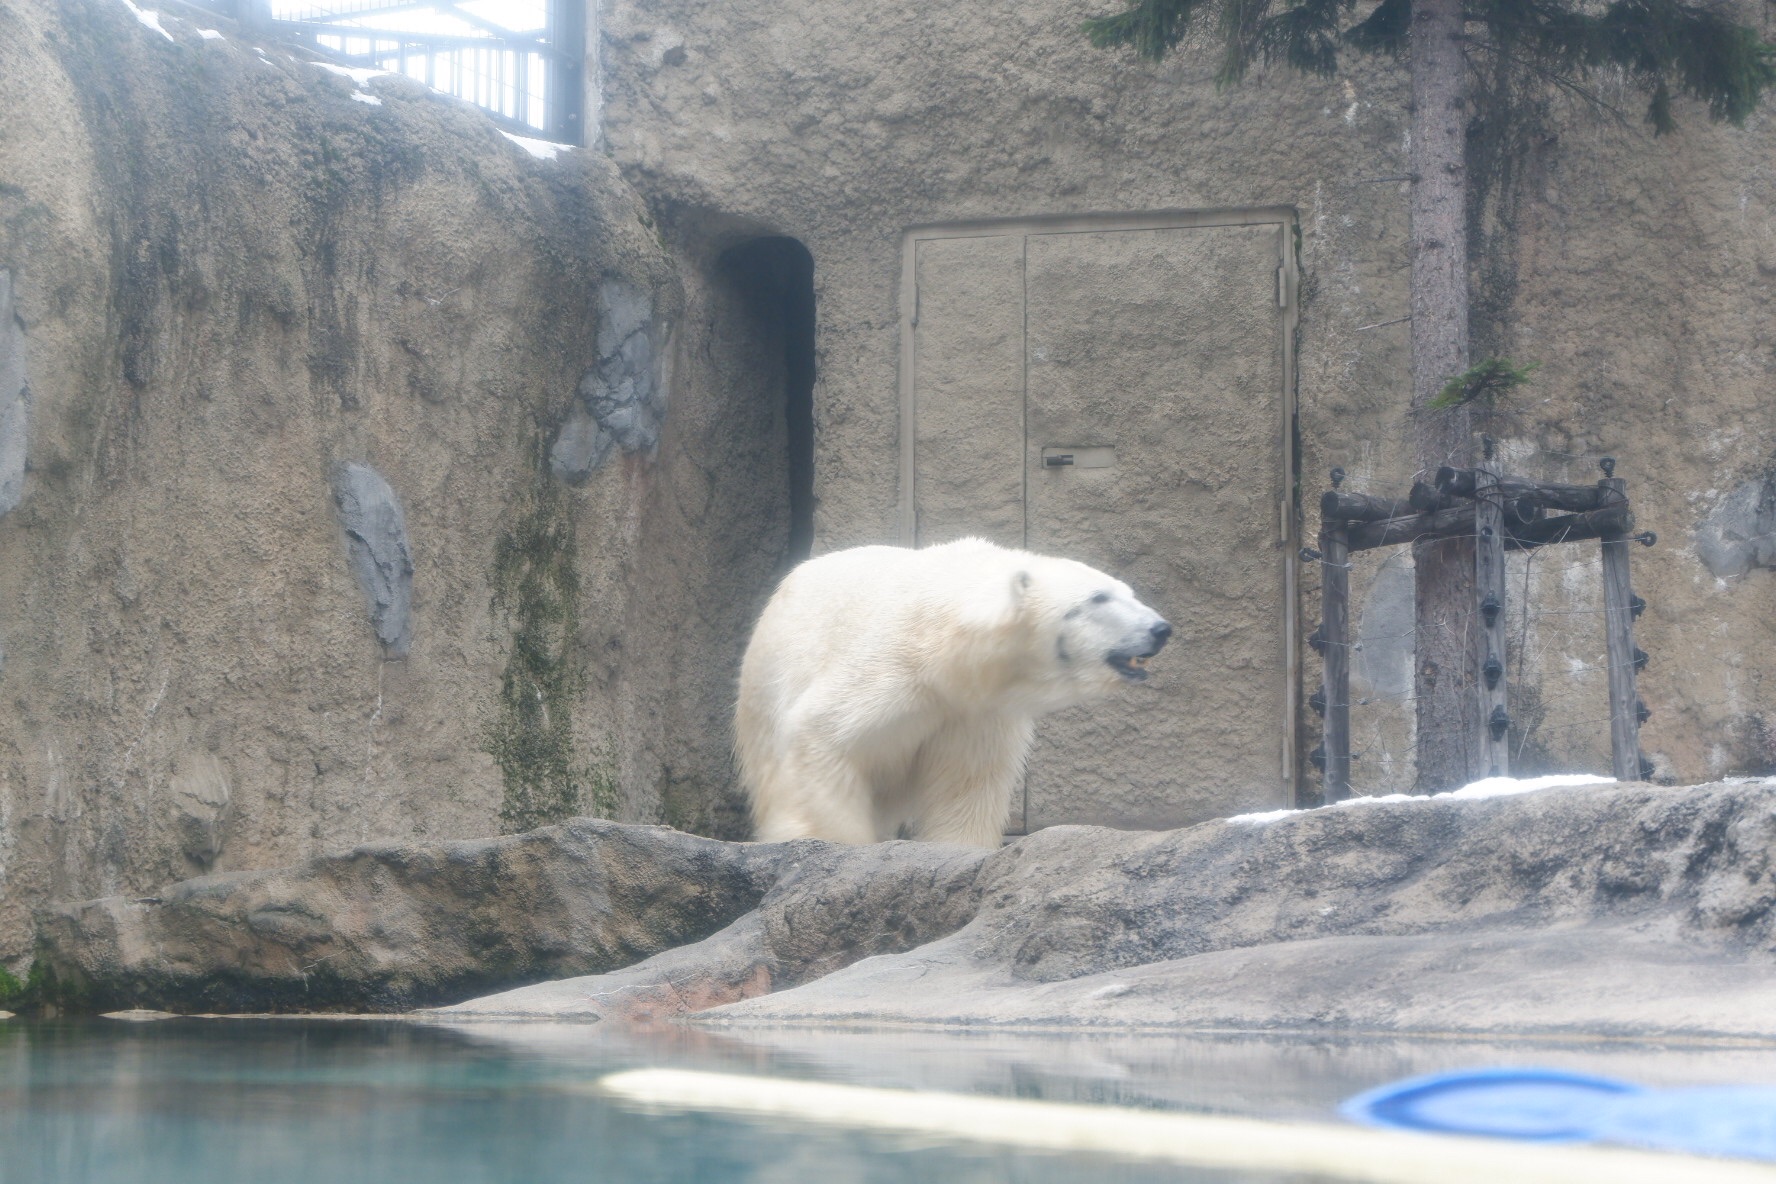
{"points": [[1130, 666]]}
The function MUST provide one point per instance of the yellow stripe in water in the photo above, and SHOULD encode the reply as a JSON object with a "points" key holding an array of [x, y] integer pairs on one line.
{"points": [[1199, 1140]]}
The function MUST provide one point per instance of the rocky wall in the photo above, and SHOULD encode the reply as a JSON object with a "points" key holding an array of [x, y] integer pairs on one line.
{"points": [[339, 500], [1635, 270]]}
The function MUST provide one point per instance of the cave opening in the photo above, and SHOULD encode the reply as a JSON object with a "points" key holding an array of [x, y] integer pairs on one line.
{"points": [[775, 274]]}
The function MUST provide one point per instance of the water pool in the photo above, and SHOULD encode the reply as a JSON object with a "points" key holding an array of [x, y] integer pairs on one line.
{"points": [[196, 1101]]}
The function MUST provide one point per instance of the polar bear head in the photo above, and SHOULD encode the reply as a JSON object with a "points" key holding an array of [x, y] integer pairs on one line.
{"points": [[1089, 631]]}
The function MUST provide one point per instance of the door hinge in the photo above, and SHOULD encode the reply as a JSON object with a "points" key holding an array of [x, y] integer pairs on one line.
{"points": [[1282, 285]]}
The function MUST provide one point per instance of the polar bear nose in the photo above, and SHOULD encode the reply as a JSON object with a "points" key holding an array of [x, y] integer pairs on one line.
{"points": [[1161, 630]]}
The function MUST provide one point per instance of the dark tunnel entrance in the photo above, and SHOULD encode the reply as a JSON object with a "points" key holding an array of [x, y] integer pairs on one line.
{"points": [[775, 276]]}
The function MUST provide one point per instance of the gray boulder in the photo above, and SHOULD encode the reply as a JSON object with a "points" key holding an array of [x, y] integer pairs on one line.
{"points": [[620, 401], [829, 907], [385, 928], [1632, 909], [1739, 534], [376, 538]]}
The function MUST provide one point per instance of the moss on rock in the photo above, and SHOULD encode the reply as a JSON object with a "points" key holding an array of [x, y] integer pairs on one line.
{"points": [[536, 588]]}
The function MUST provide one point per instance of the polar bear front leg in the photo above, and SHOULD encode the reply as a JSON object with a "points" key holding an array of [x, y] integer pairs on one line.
{"points": [[966, 775], [814, 794]]}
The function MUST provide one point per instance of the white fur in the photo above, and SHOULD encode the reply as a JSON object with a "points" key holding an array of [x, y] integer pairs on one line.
{"points": [[886, 688]]}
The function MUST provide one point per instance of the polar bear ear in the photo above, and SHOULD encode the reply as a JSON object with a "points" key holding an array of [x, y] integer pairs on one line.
{"points": [[1020, 587]]}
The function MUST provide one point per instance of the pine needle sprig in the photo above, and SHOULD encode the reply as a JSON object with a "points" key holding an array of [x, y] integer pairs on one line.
{"points": [[1487, 380]]}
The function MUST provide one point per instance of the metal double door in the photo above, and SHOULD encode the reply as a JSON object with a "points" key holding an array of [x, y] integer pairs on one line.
{"points": [[1119, 391]]}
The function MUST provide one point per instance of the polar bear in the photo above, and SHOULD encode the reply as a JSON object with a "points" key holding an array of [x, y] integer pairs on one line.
{"points": [[886, 688]]}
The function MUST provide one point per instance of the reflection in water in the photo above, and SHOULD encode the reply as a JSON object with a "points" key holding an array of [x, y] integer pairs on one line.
{"points": [[197, 1101]]}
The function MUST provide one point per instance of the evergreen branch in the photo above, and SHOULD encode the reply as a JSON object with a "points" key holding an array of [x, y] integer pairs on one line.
{"points": [[1486, 380], [1662, 44], [1151, 27], [1306, 35], [1714, 59], [1556, 79], [1241, 28], [1386, 30]]}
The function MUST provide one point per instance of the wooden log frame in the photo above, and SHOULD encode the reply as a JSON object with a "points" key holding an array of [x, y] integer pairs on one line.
{"points": [[1336, 506], [1367, 536], [1335, 668], [1618, 624], [1519, 535], [1576, 498], [1503, 513], [1571, 528], [1489, 614], [1426, 499]]}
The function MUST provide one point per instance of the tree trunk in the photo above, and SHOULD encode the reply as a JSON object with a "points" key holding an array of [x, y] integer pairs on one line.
{"points": [[1444, 685]]}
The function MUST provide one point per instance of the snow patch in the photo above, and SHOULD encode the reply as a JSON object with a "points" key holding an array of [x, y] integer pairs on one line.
{"points": [[541, 149], [1266, 816], [1486, 787], [150, 19], [211, 35], [1111, 991], [1504, 787], [359, 76], [360, 79]]}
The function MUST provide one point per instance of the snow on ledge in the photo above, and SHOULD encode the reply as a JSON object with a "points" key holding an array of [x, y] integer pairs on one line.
{"points": [[1488, 787], [150, 19], [541, 149], [359, 76]]}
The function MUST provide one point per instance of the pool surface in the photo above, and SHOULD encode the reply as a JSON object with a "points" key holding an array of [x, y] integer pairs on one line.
{"points": [[202, 1100]]}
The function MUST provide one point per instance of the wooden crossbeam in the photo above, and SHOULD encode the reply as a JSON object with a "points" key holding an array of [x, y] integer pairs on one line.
{"points": [[1461, 483], [1336, 506]]}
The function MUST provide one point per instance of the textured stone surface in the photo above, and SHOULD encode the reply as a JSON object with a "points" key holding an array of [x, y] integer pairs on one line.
{"points": [[1630, 909], [15, 400], [829, 907], [389, 927], [202, 803], [1739, 534], [1590, 982], [232, 279], [622, 399], [381, 559]]}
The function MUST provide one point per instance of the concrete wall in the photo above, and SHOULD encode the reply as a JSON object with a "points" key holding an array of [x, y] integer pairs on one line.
{"points": [[1637, 271]]}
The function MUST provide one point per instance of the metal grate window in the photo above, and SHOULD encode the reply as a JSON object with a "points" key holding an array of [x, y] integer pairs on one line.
{"points": [[521, 61]]}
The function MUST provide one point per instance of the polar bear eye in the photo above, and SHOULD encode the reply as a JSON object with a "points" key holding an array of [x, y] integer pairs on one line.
{"points": [[1101, 598]]}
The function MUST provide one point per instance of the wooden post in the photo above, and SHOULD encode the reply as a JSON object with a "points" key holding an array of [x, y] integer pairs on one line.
{"points": [[1335, 676], [1489, 602], [1618, 624]]}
